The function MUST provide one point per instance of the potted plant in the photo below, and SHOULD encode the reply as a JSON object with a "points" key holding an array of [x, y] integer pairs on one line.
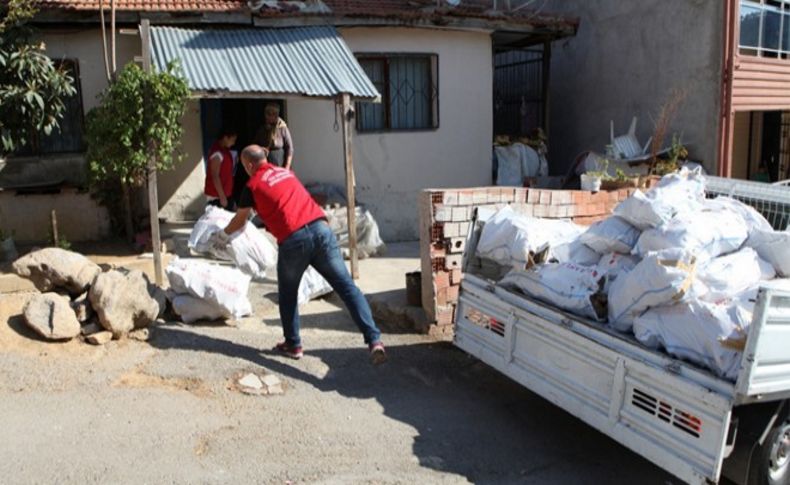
{"points": [[620, 181], [592, 179]]}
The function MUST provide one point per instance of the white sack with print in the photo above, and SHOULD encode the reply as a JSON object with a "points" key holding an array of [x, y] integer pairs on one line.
{"points": [[774, 247], [221, 286], [507, 238], [707, 234], [611, 235], [727, 276], [674, 194], [614, 265], [661, 278], [565, 285], [576, 252], [249, 248], [312, 286], [708, 334]]}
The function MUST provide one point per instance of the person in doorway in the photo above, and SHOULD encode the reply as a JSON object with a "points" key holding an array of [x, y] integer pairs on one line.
{"points": [[219, 172], [304, 239], [275, 137]]}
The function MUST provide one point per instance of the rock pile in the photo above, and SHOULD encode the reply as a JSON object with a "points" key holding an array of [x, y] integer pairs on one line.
{"points": [[79, 298]]}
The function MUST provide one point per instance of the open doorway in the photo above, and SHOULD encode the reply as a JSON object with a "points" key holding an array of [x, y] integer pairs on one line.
{"points": [[761, 146], [245, 115]]}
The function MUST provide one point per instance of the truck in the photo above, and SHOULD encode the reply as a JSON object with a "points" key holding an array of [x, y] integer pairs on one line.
{"points": [[681, 417]]}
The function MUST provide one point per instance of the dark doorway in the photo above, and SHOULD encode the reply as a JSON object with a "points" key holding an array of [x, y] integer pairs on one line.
{"points": [[771, 143], [245, 115], [519, 90]]}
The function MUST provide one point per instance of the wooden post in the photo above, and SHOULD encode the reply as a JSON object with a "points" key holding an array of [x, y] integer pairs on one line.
{"points": [[348, 114], [153, 196], [54, 219]]}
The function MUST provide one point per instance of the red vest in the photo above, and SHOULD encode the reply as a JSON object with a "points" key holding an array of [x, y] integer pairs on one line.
{"points": [[281, 201], [225, 172]]}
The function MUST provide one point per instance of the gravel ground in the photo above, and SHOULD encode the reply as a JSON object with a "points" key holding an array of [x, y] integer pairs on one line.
{"points": [[165, 411]]}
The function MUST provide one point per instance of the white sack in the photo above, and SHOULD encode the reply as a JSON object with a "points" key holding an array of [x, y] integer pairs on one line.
{"points": [[565, 285], [613, 265], [661, 278], [192, 309], [727, 276], [369, 242], [576, 252], [312, 286], [219, 286], [706, 234], [249, 248], [774, 247], [707, 334], [611, 235], [507, 238], [753, 219], [674, 194], [516, 161]]}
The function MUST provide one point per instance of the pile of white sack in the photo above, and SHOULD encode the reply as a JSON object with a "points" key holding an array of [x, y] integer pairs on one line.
{"points": [[205, 291], [678, 270], [251, 250]]}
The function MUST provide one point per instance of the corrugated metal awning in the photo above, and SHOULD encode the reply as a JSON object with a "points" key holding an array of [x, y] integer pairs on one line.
{"points": [[307, 61]]}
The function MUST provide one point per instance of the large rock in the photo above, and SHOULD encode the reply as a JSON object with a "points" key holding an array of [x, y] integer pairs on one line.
{"points": [[122, 301], [51, 316], [82, 308], [54, 268]]}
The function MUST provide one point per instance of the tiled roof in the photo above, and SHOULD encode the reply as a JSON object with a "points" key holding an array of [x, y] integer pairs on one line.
{"points": [[394, 9]]}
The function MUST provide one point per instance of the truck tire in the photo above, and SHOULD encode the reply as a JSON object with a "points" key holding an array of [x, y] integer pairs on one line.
{"points": [[771, 460]]}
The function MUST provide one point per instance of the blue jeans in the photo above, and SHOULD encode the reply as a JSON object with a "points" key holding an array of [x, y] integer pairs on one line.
{"points": [[315, 245]]}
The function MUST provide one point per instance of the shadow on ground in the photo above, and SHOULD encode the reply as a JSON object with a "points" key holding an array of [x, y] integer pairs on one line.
{"points": [[469, 419]]}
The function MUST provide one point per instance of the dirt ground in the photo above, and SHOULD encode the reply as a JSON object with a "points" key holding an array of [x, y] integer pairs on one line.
{"points": [[165, 411]]}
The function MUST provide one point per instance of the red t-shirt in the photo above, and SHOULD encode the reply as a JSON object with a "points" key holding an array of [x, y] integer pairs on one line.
{"points": [[225, 172], [281, 201]]}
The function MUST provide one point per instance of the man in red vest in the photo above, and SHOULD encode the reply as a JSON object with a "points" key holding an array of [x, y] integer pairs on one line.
{"points": [[304, 238]]}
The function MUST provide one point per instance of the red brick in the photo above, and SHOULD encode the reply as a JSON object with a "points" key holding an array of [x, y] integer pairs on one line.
{"points": [[465, 197], [545, 197], [450, 197], [460, 214], [442, 213], [533, 196], [519, 196], [580, 197], [451, 229], [441, 280], [452, 294], [437, 250], [453, 261], [562, 197], [444, 316]]}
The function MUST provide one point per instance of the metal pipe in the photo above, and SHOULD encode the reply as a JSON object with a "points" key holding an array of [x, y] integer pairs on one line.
{"points": [[104, 39]]}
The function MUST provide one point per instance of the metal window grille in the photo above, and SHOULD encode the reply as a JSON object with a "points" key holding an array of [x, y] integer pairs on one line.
{"points": [[518, 91], [772, 201], [408, 86], [765, 28]]}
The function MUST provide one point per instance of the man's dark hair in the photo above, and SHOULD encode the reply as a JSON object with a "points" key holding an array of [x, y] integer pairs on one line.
{"points": [[228, 130], [255, 153]]}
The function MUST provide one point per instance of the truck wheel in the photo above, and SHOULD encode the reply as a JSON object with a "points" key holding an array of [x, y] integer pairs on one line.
{"points": [[772, 460]]}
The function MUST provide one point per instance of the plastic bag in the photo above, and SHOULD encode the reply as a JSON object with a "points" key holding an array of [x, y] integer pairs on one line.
{"points": [[369, 242], [661, 278], [508, 238], [613, 265], [708, 334], [774, 247], [192, 309], [727, 276], [674, 194], [515, 162], [312, 286], [753, 219], [565, 285], [221, 286], [249, 248], [707, 234], [611, 235]]}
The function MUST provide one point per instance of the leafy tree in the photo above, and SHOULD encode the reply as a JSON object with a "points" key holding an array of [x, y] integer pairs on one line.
{"points": [[32, 88], [139, 118]]}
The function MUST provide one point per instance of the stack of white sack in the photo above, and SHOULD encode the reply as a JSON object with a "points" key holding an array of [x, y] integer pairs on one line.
{"points": [[204, 291], [249, 249], [674, 194], [369, 242], [509, 238]]}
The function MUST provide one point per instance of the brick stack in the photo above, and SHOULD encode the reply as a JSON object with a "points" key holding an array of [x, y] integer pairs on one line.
{"points": [[445, 220]]}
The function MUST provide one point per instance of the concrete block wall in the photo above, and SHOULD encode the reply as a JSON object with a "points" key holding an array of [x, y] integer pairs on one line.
{"points": [[445, 220]]}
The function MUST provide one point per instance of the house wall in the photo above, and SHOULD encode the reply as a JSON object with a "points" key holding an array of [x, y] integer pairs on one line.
{"points": [[391, 168], [624, 61]]}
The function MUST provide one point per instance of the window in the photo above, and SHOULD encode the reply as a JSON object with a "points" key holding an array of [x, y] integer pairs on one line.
{"points": [[765, 28], [409, 94], [68, 137]]}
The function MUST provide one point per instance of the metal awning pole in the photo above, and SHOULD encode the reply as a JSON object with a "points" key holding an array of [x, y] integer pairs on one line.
{"points": [[348, 114], [153, 196]]}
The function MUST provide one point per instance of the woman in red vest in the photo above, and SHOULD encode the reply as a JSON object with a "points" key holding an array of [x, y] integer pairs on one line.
{"points": [[219, 173]]}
